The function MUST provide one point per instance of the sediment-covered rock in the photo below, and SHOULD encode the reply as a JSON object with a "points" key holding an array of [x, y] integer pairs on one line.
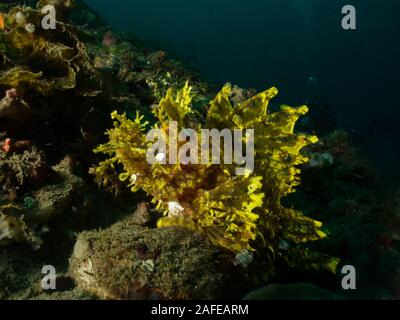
{"points": [[128, 261], [25, 222]]}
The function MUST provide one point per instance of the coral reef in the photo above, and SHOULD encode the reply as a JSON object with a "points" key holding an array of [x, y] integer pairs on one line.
{"points": [[56, 98], [57, 89], [231, 211], [361, 211], [66, 80]]}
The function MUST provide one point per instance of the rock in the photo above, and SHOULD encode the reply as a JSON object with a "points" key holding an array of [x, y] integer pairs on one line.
{"points": [[320, 160], [141, 216], [300, 291], [110, 39], [18, 146], [74, 294], [15, 109], [26, 223], [128, 261], [54, 199]]}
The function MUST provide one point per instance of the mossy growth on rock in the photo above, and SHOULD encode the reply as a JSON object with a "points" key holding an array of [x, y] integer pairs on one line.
{"points": [[26, 219], [128, 261]]}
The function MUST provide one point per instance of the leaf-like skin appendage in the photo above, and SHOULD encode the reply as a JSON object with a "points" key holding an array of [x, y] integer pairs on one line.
{"points": [[175, 108], [234, 212]]}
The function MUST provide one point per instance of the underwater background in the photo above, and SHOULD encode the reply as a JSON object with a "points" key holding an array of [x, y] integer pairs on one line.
{"points": [[298, 46], [79, 198]]}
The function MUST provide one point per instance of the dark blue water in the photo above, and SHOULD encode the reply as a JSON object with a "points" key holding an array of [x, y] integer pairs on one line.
{"points": [[263, 43]]}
